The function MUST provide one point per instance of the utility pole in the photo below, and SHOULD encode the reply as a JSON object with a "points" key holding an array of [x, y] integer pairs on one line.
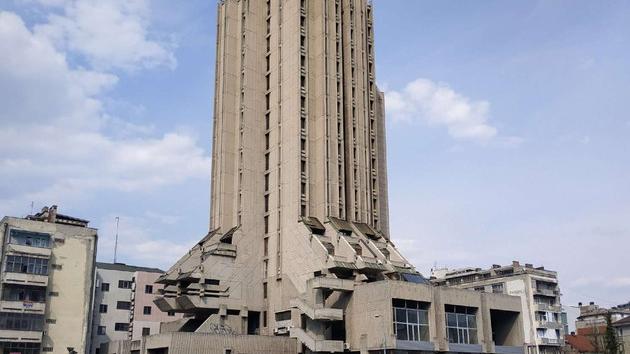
{"points": [[116, 242]]}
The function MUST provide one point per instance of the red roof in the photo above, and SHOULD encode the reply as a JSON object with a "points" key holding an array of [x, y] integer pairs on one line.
{"points": [[622, 322], [580, 343]]}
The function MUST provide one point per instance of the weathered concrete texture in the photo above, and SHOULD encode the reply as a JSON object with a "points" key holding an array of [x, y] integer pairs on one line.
{"points": [[195, 343], [369, 316], [67, 285]]}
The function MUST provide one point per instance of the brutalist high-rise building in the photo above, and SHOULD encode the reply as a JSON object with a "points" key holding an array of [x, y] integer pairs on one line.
{"points": [[299, 242]]}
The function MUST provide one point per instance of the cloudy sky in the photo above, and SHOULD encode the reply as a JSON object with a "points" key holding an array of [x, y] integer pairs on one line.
{"points": [[508, 128]]}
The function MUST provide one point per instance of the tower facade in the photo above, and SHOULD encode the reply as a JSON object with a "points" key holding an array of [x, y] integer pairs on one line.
{"points": [[298, 119]]}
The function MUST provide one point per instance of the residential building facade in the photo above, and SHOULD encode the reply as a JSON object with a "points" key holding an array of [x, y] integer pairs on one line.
{"points": [[123, 306], [622, 327], [539, 292], [592, 322], [47, 280]]}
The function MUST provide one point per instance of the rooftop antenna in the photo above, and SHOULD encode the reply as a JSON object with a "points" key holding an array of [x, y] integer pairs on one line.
{"points": [[116, 242], [32, 207]]}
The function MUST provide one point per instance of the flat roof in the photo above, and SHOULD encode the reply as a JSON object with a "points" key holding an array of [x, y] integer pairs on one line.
{"points": [[126, 268]]}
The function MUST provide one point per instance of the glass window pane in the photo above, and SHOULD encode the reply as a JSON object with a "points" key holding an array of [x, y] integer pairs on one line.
{"points": [[423, 317], [463, 336], [401, 315], [472, 321], [452, 335], [413, 332], [461, 320], [401, 331], [451, 320], [412, 316]]}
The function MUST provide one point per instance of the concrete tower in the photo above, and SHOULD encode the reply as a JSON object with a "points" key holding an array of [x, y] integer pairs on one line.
{"points": [[299, 188], [298, 119]]}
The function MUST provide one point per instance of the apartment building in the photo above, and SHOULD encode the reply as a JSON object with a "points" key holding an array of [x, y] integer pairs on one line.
{"points": [[592, 319], [123, 306], [623, 332], [536, 286], [592, 323], [47, 281]]}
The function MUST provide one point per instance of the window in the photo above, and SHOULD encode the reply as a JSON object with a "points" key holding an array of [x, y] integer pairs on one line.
{"points": [[124, 284], [102, 308], [22, 348], [19, 321], [146, 331], [411, 320], [148, 289], [23, 293], [29, 265], [461, 324], [105, 287], [28, 238], [497, 288], [147, 310], [121, 327], [123, 305], [264, 290], [170, 313], [100, 330]]}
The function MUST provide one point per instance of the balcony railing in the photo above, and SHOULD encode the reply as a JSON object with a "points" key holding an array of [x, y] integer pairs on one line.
{"points": [[549, 341], [547, 307], [23, 306], [21, 336], [545, 292]]}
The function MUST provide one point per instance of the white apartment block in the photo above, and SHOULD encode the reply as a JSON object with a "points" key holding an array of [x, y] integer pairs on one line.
{"points": [[539, 292], [46, 283]]}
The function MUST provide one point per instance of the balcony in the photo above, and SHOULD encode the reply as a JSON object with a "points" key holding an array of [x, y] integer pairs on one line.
{"points": [[24, 278], [324, 314], [547, 307], [506, 349], [545, 292], [21, 336], [548, 324], [28, 250], [221, 249], [317, 345], [23, 306], [549, 341], [332, 284]]}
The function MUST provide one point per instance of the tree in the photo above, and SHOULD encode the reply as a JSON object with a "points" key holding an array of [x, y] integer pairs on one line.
{"points": [[611, 342]]}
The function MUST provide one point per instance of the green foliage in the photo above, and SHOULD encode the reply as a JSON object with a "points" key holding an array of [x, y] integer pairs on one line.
{"points": [[611, 342]]}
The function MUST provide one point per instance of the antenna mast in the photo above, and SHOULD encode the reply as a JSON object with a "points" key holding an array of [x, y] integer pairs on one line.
{"points": [[116, 242]]}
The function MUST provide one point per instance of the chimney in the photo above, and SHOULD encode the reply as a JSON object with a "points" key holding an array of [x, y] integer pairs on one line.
{"points": [[515, 264], [579, 304], [591, 303], [52, 215]]}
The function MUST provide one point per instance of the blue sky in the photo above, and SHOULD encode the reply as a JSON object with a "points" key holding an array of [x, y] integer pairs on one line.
{"points": [[508, 128]]}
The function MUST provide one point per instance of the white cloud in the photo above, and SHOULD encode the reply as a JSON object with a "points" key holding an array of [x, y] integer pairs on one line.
{"points": [[110, 34], [437, 104], [142, 240], [55, 144]]}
